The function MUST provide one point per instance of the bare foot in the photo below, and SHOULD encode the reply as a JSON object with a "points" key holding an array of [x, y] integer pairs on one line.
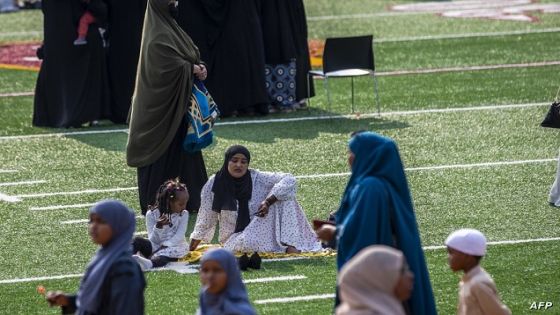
{"points": [[292, 250]]}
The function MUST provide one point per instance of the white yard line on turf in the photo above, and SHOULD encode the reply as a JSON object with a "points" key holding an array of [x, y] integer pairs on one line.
{"points": [[274, 279], [440, 167], [436, 247], [464, 35], [296, 119], [29, 182], [470, 68], [14, 94], [81, 192], [422, 168], [4, 197], [8, 171], [81, 205], [8, 34], [141, 233], [283, 120], [79, 221], [296, 298]]}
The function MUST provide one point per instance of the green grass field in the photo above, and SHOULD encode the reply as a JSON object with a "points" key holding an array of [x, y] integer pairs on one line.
{"points": [[472, 160]]}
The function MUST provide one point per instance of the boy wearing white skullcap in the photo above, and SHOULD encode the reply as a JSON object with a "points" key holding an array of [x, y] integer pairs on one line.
{"points": [[477, 291]]}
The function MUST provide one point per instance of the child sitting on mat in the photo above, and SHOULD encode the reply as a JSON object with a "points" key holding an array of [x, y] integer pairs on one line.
{"points": [[167, 224]]}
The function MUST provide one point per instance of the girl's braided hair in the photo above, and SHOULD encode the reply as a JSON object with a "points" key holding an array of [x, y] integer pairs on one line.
{"points": [[166, 193]]}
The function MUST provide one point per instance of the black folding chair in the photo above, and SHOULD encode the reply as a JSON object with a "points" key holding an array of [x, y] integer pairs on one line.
{"points": [[345, 57]]}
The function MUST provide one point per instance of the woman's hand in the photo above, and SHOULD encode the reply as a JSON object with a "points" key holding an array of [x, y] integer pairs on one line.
{"points": [[162, 221], [194, 244], [57, 298], [326, 233], [263, 209], [200, 72]]}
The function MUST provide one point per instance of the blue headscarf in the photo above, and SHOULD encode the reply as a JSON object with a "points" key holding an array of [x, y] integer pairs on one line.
{"points": [[377, 209], [122, 222], [234, 299]]}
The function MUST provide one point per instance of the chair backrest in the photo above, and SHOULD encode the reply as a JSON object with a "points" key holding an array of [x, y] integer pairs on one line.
{"points": [[348, 53]]}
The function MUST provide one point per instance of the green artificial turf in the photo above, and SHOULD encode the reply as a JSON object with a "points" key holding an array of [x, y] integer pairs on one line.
{"points": [[506, 202]]}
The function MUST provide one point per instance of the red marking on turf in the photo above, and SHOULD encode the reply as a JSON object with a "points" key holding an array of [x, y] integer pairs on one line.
{"points": [[19, 57]]}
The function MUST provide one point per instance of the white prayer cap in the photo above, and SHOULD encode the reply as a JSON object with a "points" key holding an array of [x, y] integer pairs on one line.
{"points": [[468, 241]]}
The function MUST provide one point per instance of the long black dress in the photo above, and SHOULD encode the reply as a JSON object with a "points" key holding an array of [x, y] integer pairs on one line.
{"points": [[125, 35], [229, 36], [175, 162], [285, 37], [72, 86]]}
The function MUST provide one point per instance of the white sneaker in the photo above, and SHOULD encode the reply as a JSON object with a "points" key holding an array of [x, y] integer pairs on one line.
{"points": [[145, 264]]}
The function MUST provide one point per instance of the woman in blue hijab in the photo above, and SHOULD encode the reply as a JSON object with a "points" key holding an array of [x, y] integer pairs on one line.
{"points": [[223, 291], [377, 209], [113, 282]]}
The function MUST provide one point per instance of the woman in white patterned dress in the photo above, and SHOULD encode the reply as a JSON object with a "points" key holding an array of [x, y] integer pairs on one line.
{"points": [[257, 211]]}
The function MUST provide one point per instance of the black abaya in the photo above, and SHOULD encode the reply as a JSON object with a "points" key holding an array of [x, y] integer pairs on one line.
{"points": [[285, 37], [175, 162], [125, 35], [72, 86], [229, 36]]}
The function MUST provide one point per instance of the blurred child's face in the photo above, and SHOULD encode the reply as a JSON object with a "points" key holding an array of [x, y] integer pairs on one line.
{"points": [[457, 260], [213, 277], [99, 230], [404, 286], [238, 165], [179, 203]]}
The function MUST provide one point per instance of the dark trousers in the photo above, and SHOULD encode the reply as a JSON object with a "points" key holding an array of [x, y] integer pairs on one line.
{"points": [[144, 246]]}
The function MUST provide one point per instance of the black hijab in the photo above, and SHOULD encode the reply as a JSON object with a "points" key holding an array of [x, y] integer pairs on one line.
{"points": [[228, 189]]}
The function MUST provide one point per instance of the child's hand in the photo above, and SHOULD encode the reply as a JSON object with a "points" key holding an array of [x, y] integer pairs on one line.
{"points": [[57, 298], [162, 221]]}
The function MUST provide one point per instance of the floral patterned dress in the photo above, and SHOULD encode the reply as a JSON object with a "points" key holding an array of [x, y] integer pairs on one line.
{"points": [[284, 225]]}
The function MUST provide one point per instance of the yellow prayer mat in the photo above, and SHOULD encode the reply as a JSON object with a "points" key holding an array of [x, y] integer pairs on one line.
{"points": [[194, 256]]}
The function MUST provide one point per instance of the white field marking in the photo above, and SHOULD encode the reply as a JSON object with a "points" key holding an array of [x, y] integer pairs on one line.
{"points": [[8, 34], [81, 192], [82, 205], [273, 279], [4, 197], [383, 114], [380, 74], [141, 233], [62, 134], [535, 240], [361, 16], [439, 167], [470, 68], [436, 247], [15, 94], [8, 171], [465, 35], [422, 168], [282, 120], [296, 298], [28, 182], [79, 221]]}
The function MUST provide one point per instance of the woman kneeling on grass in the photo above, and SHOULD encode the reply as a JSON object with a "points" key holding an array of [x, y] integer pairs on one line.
{"points": [[223, 291], [257, 211], [113, 282]]}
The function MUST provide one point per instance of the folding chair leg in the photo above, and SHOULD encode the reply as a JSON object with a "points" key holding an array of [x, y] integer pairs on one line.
{"points": [[352, 78], [328, 92], [376, 95]]}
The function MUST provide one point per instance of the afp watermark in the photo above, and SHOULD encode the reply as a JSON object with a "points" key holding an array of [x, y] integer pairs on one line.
{"points": [[541, 306]]}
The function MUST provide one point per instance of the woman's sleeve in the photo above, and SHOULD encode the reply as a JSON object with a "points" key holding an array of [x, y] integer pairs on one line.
{"points": [[153, 234], [181, 231], [207, 218], [127, 289], [281, 185]]}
